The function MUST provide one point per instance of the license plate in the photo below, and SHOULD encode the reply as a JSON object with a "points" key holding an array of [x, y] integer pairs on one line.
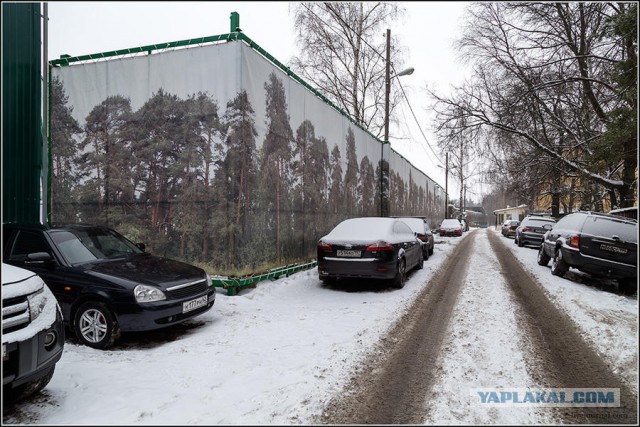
{"points": [[194, 303], [348, 253], [613, 249]]}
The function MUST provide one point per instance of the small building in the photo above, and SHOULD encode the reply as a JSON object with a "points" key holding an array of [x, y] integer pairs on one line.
{"points": [[516, 212]]}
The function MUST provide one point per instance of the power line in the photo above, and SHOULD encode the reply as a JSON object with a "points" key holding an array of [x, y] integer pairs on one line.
{"points": [[395, 72], [419, 127]]}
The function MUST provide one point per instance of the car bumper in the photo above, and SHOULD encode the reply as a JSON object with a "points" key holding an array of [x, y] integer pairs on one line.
{"points": [[598, 266], [155, 315], [29, 360], [450, 233], [531, 238], [370, 268]]}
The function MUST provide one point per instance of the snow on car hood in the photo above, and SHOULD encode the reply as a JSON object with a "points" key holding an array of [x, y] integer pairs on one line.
{"points": [[18, 281], [43, 305]]}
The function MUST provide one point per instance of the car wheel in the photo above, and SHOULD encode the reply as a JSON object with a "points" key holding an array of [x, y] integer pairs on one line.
{"points": [[627, 286], [420, 265], [559, 266], [425, 255], [543, 258], [401, 275], [95, 326], [431, 250], [520, 243], [515, 239]]}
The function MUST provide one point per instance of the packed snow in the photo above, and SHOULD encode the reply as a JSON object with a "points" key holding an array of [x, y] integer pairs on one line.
{"points": [[277, 353]]}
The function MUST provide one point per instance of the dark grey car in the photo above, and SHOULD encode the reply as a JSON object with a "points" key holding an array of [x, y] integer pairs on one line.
{"points": [[420, 227], [531, 230], [598, 244]]}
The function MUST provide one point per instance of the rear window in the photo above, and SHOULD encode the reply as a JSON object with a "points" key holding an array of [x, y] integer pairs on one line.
{"points": [[537, 222], [608, 227]]}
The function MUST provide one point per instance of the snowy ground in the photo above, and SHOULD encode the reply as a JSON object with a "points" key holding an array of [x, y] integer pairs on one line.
{"points": [[277, 353]]}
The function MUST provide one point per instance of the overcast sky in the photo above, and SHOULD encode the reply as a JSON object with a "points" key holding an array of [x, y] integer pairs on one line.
{"points": [[427, 31]]}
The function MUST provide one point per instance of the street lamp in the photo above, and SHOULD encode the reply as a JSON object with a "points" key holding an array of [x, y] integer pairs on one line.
{"points": [[384, 171]]}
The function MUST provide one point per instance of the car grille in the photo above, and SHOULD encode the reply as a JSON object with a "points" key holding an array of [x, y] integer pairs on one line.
{"points": [[188, 290], [15, 314]]}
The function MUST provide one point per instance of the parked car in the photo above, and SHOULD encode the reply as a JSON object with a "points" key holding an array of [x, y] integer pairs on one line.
{"points": [[450, 227], [531, 230], [32, 333], [509, 227], [599, 244], [369, 247], [104, 283], [423, 232]]}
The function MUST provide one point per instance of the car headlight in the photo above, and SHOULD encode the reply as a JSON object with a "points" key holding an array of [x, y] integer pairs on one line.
{"points": [[209, 281], [145, 293], [37, 302]]}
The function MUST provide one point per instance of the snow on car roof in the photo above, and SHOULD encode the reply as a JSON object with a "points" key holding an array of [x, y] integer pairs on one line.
{"points": [[365, 230]]}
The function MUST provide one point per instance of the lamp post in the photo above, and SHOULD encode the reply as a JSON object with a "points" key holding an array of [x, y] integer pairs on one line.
{"points": [[384, 166], [446, 186]]}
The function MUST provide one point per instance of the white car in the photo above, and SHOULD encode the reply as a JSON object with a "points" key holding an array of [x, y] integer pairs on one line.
{"points": [[32, 333]]}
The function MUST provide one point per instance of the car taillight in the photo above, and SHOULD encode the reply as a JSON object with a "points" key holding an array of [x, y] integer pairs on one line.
{"points": [[513, 227], [526, 229], [574, 241], [380, 245], [323, 246]]}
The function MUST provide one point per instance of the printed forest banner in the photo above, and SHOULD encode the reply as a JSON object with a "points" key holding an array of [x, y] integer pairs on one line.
{"points": [[212, 154]]}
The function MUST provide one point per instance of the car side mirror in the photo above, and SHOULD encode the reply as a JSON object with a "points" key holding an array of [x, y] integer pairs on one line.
{"points": [[38, 258], [142, 246]]}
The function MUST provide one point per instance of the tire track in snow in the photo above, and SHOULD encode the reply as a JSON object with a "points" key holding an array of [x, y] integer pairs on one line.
{"points": [[560, 358], [483, 350]]}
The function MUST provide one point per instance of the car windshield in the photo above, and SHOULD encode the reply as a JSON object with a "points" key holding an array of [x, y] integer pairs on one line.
{"points": [[416, 224], [82, 246]]}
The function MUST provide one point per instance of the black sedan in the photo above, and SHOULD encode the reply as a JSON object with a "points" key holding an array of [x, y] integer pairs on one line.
{"points": [[104, 283], [369, 247]]}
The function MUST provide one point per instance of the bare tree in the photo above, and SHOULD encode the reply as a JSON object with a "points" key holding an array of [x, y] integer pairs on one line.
{"points": [[544, 82], [343, 55]]}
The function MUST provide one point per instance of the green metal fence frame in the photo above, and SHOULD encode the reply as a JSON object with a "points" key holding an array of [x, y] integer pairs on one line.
{"points": [[234, 284]]}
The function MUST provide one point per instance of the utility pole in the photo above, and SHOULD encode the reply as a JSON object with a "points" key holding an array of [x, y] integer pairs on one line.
{"points": [[446, 186], [384, 171]]}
